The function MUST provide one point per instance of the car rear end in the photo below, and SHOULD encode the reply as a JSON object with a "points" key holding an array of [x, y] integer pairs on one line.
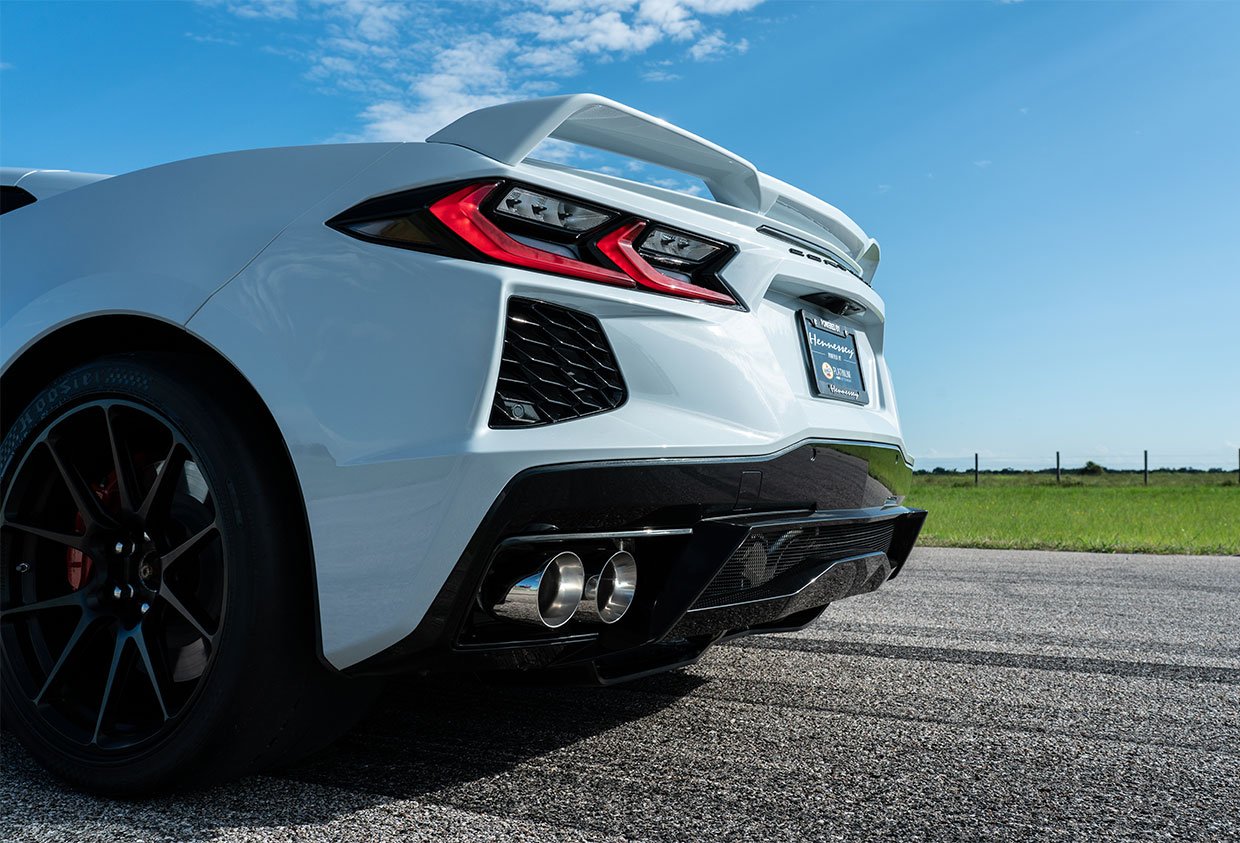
{"points": [[539, 418], [689, 430]]}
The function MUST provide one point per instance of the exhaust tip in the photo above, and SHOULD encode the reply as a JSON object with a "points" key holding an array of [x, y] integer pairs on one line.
{"points": [[549, 596], [609, 594]]}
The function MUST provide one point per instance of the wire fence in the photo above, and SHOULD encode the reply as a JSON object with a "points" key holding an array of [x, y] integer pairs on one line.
{"points": [[1146, 467]]}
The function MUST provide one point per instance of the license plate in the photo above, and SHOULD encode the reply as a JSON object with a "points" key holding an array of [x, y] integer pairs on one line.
{"points": [[834, 365]]}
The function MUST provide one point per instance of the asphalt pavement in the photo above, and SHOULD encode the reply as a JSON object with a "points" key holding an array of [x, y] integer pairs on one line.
{"points": [[981, 694]]}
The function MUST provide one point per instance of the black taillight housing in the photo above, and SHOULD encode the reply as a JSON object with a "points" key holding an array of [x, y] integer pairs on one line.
{"points": [[532, 228]]}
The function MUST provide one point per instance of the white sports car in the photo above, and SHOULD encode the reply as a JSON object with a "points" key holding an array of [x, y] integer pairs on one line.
{"points": [[278, 422]]}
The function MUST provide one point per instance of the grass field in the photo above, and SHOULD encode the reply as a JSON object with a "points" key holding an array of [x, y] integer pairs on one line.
{"points": [[1179, 512]]}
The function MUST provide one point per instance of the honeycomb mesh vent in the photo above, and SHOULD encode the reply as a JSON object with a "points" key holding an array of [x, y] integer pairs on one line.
{"points": [[754, 570], [557, 365]]}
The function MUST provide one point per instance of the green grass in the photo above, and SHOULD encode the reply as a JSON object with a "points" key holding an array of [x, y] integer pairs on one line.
{"points": [[1177, 513], [1107, 478]]}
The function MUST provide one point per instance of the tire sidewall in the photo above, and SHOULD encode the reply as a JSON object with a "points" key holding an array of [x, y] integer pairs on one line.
{"points": [[260, 609]]}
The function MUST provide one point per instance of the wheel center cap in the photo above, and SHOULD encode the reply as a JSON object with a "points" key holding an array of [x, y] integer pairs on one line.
{"points": [[136, 568], [148, 572]]}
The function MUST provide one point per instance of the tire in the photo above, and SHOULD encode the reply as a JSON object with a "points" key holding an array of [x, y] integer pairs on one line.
{"points": [[156, 607]]}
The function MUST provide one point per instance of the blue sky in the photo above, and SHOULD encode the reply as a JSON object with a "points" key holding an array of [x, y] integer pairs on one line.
{"points": [[1055, 185]]}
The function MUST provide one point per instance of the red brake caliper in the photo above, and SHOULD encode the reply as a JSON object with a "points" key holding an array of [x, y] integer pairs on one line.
{"points": [[77, 563]]}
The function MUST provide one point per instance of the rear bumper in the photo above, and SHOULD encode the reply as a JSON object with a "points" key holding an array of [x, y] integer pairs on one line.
{"points": [[724, 547], [379, 366]]}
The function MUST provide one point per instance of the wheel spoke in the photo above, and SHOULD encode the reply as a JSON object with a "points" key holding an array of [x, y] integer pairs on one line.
{"points": [[67, 539], [118, 650], [83, 624], [192, 543], [83, 498], [157, 504], [160, 496], [173, 601], [73, 598], [124, 477], [139, 638]]}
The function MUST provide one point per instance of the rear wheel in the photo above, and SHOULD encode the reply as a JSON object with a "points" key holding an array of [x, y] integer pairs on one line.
{"points": [[155, 603]]}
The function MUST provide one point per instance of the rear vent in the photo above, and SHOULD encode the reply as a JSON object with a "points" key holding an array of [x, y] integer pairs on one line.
{"points": [[754, 571], [557, 365]]}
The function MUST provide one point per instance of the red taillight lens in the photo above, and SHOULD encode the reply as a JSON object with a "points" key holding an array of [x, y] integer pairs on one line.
{"points": [[580, 240], [461, 212], [619, 249]]}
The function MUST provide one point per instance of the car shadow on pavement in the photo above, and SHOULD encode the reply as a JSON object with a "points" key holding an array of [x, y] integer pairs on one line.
{"points": [[424, 740], [430, 735]]}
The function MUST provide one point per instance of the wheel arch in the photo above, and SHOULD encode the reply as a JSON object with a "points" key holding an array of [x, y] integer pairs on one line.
{"points": [[86, 339], [83, 340]]}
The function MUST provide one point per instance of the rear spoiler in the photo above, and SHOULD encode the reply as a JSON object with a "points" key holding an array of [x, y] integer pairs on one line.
{"points": [[509, 133], [44, 183]]}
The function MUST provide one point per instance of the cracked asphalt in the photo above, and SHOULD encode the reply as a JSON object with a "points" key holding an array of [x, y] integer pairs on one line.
{"points": [[982, 694]]}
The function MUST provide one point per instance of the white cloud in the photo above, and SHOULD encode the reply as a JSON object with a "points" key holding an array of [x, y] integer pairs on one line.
{"points": [[210, 39], [275, 9], [982, 164], [468, 75], [679, 185], [721, 7], [4, 65], [327, 65], [369, 19], [714, 45], [549, 61], [425, 65], [671, 17], [587, 32]]}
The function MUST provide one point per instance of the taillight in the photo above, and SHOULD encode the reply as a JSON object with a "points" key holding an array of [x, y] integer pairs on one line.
{"points": [[618, 247], [534, 229]]}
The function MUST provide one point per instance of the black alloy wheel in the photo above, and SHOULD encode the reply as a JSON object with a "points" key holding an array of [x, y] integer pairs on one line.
{"points": [[156, 611], [112, 609]]}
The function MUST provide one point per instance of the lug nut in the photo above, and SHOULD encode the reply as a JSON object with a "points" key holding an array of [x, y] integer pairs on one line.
{"points": [[144, 608], [117, 593], [119, 548]]}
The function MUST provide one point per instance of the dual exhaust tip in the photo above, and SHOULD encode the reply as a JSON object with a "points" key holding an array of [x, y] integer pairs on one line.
{"points": [[560, 591]]}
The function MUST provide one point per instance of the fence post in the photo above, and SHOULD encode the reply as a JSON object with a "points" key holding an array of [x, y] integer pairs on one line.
{"points": [[1238, 465], [1147, 468], [1056, 466], [976, 479]]}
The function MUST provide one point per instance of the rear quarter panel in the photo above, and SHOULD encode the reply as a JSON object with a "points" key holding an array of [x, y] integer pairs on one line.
{"points": [[159, 241]]}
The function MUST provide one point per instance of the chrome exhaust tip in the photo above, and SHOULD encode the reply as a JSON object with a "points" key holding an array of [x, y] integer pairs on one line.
{"points": [[549, 596], [609, 593]]}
